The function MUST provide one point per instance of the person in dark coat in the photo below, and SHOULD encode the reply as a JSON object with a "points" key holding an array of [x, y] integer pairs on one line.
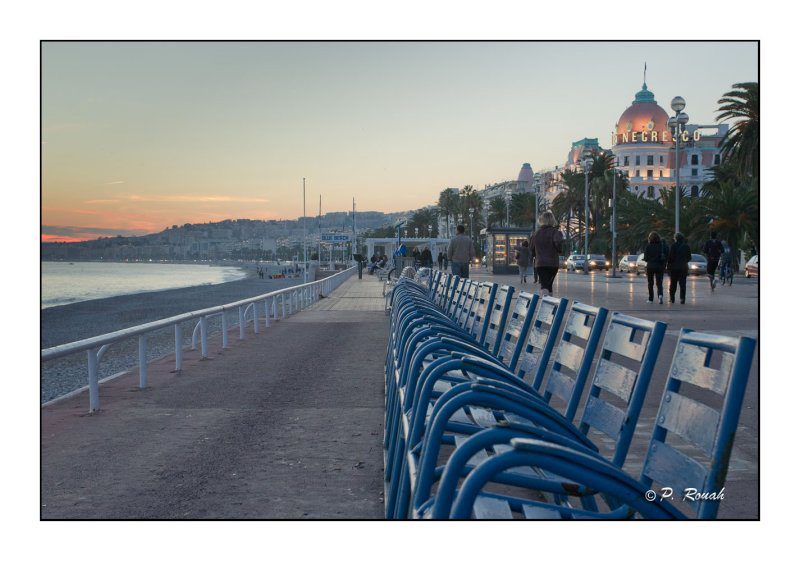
{"points": [[523, 261], [546, 245], [713, 249], [678, 263], [440, 259], [426, 257], [656, 260]]}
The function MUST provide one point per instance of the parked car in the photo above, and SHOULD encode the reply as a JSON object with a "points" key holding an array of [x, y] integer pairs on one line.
{"points": [[641, 264], [575, 262], [599, 262], [698, 265], [627, 264], [751, 267]]}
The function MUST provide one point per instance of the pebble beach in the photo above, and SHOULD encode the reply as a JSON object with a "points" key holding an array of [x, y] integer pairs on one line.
{"points": [[80, 320]]}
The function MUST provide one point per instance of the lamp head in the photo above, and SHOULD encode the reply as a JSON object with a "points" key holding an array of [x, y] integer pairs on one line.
{"points": [[678, 103], [683, 118]]}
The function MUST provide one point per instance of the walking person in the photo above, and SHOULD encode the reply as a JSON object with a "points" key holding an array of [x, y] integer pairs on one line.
{"points": [[656, 259], [460, 252], [426, 257], [523, 261], [713, 250], [546, 245], [678, 263], [440, 259]]}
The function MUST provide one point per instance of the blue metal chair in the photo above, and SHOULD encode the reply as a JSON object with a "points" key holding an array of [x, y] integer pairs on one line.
{"points": [[701, 435], [541, 338], [628, 340]]}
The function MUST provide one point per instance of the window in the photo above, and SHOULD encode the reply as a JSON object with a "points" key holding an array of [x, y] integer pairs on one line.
{"points": [[695, 191], [649, 174], [661, 160], [661, 173], [626, 161], [649, 160], [637, 187], [694, 172], [650, 191], [716, 159], [638, 172], [694, 159], [638, 160]]}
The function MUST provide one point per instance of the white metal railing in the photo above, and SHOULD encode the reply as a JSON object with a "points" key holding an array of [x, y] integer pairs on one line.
{"points": [[278, 303]]}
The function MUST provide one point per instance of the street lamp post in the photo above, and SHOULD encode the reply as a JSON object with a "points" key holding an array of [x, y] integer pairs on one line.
{"points": [[471, 232], [508, 208], [677, 123], [587, 162], [614, 224]]}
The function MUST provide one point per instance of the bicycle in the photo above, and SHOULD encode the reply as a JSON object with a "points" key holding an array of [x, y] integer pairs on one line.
{"points": [[726, 274]]}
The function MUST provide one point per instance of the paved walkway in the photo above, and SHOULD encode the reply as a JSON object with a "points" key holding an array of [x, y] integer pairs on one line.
{"points": [[285, 424]]}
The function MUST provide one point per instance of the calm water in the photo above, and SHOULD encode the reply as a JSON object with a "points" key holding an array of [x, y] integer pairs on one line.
{"points": [[63, 283]]}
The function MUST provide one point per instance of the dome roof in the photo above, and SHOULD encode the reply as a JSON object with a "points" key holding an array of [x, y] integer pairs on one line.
{"points": [[643, 116], [526, 174]]}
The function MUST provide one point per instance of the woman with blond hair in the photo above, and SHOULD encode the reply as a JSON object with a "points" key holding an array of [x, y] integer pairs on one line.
{"points": [[546, 246]]}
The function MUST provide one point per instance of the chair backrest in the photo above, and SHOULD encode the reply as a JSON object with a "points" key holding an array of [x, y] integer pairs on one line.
{"points": [[541, 338], [457, 294], [714, 368], [484, 299], [442, 290], [469, 302], [627, 358], [450, 294], [462, 299], [496, 319], [435, 279], [574, 355], [517, 325]]}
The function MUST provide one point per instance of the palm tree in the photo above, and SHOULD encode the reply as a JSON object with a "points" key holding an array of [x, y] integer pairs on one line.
{"points": [[425, 221], [740, 145], [733, 209], [497, 211], [448, 205], [523, 208]]}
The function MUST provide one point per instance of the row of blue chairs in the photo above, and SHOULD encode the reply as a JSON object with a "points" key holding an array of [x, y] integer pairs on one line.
{"points": [[482, 399]]}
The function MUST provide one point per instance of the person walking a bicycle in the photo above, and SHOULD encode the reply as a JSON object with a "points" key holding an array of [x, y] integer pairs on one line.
{"points": [[713, 250]]}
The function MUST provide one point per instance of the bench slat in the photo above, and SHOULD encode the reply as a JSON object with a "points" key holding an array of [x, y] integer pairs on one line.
{"points": [[576, 325], [618, 340], [689, 419], [560, 385], [689, 366], [603, 416], [569, 355], [672, 468], [615, 378]]}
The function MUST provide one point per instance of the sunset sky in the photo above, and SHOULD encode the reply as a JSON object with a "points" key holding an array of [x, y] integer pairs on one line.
{"points": [[139, 136]]}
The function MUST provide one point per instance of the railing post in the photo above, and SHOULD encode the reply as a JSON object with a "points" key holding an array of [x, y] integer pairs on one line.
{"points": [[283, 306], [203, 337], [94, 389], [142, 362], [274, 308], [224, 331], [241, 323], [255, 318], [266, 312], [178, 347]]}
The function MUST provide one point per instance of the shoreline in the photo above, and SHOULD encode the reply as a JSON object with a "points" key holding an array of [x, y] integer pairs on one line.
{"points": [[80, 320]]}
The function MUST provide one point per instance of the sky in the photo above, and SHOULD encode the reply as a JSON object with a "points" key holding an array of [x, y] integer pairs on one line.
{"points": [[138, 136]]}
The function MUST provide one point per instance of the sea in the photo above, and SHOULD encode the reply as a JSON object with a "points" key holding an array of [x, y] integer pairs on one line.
{"points": [[65, 283]]}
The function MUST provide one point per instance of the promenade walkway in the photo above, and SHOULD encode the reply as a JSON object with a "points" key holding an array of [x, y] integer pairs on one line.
{"points": [[285, 424]]}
